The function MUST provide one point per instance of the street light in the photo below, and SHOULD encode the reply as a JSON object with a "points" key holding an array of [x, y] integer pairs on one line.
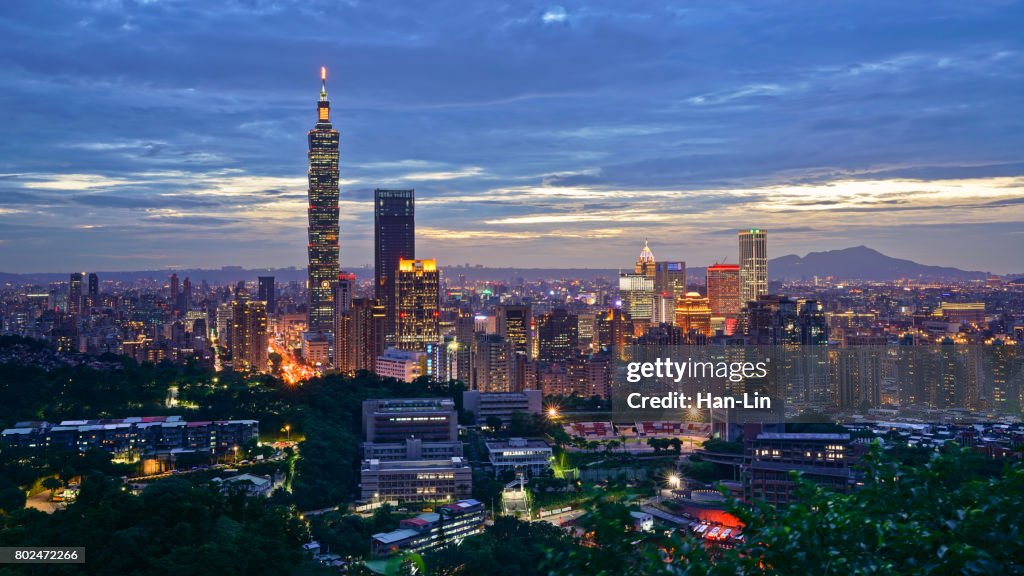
{"points": [[553, 412], [288, 430]]}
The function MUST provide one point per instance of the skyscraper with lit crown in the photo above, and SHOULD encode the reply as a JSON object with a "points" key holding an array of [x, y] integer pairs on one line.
{"points": [[753, 264], [323, 215]]}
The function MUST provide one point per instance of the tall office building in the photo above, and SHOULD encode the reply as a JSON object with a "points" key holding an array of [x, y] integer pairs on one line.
{"points": [[393, 240], [344, 352], [75, 294], [513, 322], [636, 291], [670, 278], [267, 292], [558, 336], [669, 286], [753, 265], [417, 304], [723, 281], [645, 264], [323, 215], [249, 335], [93, 297]]}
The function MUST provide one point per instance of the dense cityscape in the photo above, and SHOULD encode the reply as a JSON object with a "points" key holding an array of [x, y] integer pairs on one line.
{"points": [[497, 393], [588, 289]]}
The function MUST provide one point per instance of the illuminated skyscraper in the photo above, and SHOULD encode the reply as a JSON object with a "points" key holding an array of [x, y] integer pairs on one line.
{"points": [[724, 294], [93, 297], [344, 351], [513, 322], [558, 336], [75, 294], [417, 304], [753, 265], [669, 286], [323, 215], [637, 290], [645, 264], [393, 240], [249, 335]]}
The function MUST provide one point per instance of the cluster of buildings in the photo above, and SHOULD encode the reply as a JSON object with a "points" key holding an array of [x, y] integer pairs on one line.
{"points": [[412, 452], [133, 438], [561, 337]]}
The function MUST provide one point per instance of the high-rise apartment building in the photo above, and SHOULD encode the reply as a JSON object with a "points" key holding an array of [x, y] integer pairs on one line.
{"points": [[249, 335], [344, 351], [365, 337], [753, 265], [492, 363], [394, 226], [417, 300], [324, 263]]}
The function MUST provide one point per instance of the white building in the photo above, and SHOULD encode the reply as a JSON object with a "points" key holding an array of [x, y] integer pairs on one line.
{"points": [[404, 365], [519, 454]]}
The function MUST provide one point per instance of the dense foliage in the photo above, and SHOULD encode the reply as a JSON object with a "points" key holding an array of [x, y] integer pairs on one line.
{"points": [[171, 528], [955, 514]]}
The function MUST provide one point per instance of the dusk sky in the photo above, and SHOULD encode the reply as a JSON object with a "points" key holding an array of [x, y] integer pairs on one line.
{"points": [[164, 133]]}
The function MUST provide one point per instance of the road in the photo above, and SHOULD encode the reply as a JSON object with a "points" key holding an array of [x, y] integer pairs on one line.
{"points": [[42, 502]]}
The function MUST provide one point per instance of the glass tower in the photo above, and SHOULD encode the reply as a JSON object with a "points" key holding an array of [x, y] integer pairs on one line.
{"points": [[393, 240], [323, 215]]}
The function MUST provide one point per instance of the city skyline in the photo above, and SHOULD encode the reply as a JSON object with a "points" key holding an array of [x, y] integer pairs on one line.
{"points": [[569, 149]]}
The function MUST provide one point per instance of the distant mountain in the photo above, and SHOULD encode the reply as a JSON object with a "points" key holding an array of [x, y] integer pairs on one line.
{"points": [[858, 263], [861, 263]]}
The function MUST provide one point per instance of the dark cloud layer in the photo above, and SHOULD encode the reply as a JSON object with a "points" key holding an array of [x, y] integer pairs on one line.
{"points": [[535, 133]]}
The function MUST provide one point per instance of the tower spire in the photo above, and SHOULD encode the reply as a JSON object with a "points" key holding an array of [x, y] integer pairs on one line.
{"points": [[323, 83]]}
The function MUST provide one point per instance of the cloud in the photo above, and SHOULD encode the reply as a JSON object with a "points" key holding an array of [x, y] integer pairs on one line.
{"points": [[536, 132], [554, 15]]}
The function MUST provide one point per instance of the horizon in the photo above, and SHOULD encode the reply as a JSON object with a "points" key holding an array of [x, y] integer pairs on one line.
{"points": [[471, 265], [534, 134]]}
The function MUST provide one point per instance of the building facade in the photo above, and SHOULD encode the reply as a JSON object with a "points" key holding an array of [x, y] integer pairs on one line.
{"points": [[394, 239], [323, 247], [753, 264], [417, 297]]}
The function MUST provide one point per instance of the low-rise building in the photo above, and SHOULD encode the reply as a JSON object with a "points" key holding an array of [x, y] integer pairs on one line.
{"points": [[519, 454], [416, 480], [411, 449], [404, 365], [769, 457], [501, 405], [447, 525], [135, 437], [395, 419]]}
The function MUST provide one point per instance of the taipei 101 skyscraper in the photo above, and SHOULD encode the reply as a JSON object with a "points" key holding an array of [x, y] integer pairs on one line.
{"points": [[323, 215]]}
